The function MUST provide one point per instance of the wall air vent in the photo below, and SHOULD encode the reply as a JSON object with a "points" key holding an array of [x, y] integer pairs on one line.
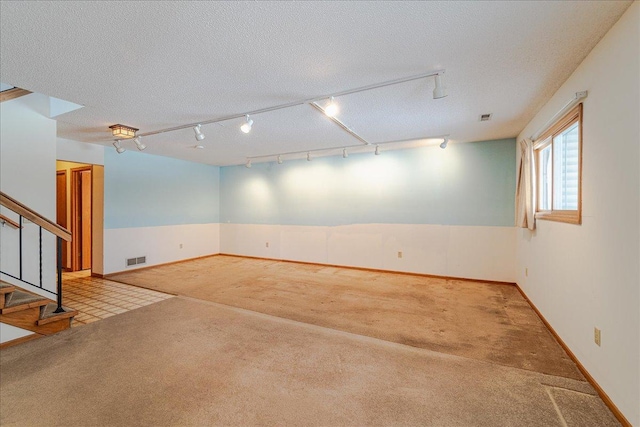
{"points": [[485, 117], [136, 261]]}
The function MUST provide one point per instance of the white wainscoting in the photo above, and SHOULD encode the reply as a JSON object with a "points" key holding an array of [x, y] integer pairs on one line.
{"points": [[159, 244], [474, 252]]}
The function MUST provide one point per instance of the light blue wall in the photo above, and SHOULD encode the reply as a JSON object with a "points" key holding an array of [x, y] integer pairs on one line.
{"points": [[143, 190], [466, 184]]}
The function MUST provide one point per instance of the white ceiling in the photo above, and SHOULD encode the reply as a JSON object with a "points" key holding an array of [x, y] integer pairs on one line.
{"points": [[155, 65]]}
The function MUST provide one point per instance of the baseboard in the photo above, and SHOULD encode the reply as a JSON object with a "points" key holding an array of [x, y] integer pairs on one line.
{"points": [[605, 398], [374, 270], [20, 340], [106, 276]]}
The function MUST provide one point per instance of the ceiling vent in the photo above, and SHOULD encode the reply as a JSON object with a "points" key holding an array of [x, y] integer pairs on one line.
{"points": [[485, 117]]}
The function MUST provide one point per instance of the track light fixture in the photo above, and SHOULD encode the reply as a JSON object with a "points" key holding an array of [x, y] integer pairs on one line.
{"points": [[248, 164], [246, 126], [279, 159], [198, 131], [332, 108], [308, 157], [139, 143], [377, 152], [344, 153], [119, 148], [444, 143], [440, 90]]}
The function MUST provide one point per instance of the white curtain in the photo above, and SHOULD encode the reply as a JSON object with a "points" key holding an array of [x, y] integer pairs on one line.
{"points": [[525, 200]]}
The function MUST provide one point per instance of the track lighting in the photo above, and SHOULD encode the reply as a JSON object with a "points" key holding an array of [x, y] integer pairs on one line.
{"points": [[440, 90], [119, 147], [248, 164], [344, 153], [139, 143], [279, 159], [444, 143], [308, 157], [198, 131], [246, 126], [332, 108], [377, 152]]}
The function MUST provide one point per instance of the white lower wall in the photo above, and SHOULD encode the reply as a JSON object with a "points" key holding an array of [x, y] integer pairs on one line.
{"points": [[474, 252], [10, 333], [159, 244]]}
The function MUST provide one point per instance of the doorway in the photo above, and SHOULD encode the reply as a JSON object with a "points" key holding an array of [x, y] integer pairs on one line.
{"points": [[81, 214]]}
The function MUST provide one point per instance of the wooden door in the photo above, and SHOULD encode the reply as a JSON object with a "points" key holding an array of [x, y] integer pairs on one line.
{"points": [[61, 212], [81, 218]]}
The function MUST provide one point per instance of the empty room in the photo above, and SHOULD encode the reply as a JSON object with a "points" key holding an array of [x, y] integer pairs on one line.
{"points": [[275, 213]]}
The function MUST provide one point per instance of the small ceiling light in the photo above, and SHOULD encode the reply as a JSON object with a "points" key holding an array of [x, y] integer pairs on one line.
{"points": [[444, 143], [122, 131], [332, 108], [440, 90], [198, 131], [139, 143], [279, 159], [377, 152], [199, 147], [119, 147], [248, 164], [308, 157], [246, 126], [344, 153]]}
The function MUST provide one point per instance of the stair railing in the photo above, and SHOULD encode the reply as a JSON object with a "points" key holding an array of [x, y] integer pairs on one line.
{"points": [[42, 222]]}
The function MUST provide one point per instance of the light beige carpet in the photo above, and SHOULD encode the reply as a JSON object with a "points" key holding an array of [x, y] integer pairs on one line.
{"points": [[183, 362], [484, 321]]}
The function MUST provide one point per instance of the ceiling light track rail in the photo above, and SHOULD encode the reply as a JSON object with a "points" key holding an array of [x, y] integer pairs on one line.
{"points": [[340, 124], [301, 102], [343, 147]]}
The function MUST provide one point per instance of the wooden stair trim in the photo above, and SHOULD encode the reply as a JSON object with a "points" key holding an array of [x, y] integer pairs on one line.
{"points": [[28, 319], [20, 340], [58, 316], [16, 92], [8, 289], [40, 303]]}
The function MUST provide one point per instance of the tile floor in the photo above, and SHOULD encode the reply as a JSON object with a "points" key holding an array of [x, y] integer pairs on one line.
{"points": [[96, 298]]}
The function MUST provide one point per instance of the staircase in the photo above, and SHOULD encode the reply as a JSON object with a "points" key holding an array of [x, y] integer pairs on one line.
{"points": [[29, 309], [32, 312]]}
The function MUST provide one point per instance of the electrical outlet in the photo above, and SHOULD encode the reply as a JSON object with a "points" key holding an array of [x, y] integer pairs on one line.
{"points": [[399, 254], [596, 336], [267, 244], [180, 245]]}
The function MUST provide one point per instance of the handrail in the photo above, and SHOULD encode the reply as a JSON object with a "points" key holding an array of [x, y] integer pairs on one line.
{"points": [[34, 217], [4, 219]]}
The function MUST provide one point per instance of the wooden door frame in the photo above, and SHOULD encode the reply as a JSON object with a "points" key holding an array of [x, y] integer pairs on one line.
{"points": [[74, 213], [65, 245]]}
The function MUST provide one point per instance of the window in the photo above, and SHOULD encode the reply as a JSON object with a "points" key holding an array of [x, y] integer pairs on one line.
{"points": [[558, 156]]}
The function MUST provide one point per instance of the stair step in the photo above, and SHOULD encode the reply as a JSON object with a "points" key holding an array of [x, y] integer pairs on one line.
{"points": [[6, 288], [20, 300], [49, 315]]}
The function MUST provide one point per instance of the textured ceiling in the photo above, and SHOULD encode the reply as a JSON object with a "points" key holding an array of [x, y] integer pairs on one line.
{"points": [[155, 65]]}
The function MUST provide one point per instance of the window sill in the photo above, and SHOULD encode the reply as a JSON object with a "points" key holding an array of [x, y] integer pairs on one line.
{"points": [[571, 217]]}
